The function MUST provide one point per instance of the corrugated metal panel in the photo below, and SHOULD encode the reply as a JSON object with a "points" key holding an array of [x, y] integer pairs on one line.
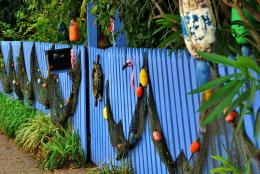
{"points": [[172, 76], [65, 82], [27, 49]]}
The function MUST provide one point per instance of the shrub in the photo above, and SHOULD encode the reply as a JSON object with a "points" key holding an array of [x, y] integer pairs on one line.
{"points": [[35, 132], [63, 150], [13, 114], [125, 167]]}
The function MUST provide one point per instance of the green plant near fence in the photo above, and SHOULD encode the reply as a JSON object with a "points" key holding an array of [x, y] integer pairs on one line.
{"points": [[63, 149], [238, 89], [13, 114], [35, 132]]}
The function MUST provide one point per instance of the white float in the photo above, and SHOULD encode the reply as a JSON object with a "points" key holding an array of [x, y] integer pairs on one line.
{"points": [[198, 26]]}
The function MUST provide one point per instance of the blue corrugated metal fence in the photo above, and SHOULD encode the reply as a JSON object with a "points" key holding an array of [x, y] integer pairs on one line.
{"points": [[172, 77], [79, 119]]}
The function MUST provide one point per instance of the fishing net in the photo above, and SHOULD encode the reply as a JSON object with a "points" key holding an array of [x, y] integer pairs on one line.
{"points": [[237, 147], [3, 75], [25, 86], [161, 146], [97, 81], [13, 79], [39, 83], [60, 111], [116, 133]]}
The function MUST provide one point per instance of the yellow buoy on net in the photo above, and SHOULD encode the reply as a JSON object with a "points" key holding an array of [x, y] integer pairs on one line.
{"points": [[105, 113], [207, 94], [144, 78]]}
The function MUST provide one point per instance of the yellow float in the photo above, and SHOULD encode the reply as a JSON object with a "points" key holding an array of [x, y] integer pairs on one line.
{"points": [[105, 113], [144, 78]]}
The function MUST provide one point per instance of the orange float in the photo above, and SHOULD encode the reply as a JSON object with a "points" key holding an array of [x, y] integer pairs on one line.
{"points": [[74, 31]]}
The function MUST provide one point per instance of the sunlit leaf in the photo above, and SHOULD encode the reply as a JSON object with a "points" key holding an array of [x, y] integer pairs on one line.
{"points": [[257, 124], [249, 63], [217, 112], [214, 83], [217, 95], [215, 58]]}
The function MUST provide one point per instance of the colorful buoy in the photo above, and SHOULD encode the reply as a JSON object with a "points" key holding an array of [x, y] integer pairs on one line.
{"points": [[194, 147], [202, 72], [198, 26], [45, 85], [67, 101], [39, 81], [139, 91], [230, 118], [105, 113], [207, 94], [132, 138], [144, 78], [74, 31], [157, 136]]}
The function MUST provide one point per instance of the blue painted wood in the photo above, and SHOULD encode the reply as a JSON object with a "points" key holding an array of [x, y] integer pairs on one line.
{"points": [[91, 28], [120, 40]]}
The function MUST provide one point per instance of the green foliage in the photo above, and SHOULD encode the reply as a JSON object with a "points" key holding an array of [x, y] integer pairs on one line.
{"points": [[62, 150], [170, 26], [138, 21], [35, 132], [38, 20], [13, 114], [227, 167], [238, 89], [125, 167]]}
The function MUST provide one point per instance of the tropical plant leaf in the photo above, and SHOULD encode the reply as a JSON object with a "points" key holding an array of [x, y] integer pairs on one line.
{"points": [[214, 83], [242, 97], [217, 112], [223, 160], [257, 124], [249, 63], [218, 94], [219, 59]]}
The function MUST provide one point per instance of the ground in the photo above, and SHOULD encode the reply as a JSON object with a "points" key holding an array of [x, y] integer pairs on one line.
{"points": [[13, 160]]}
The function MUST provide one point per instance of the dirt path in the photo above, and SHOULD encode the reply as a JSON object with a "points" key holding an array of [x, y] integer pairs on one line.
{"points": [[14, 160]]}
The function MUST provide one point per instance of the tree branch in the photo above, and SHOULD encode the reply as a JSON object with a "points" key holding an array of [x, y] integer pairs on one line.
{"points": [[254, 13], [245, 20], [227, 3]]}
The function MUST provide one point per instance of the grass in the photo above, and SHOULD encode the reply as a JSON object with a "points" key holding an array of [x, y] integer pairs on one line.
{"points": [[13, 114], [55, 146], [63, 150], [36, 131], [125, 167]]}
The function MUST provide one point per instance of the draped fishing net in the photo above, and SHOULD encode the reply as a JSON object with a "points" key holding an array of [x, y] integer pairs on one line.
{"points": [[60, 111], [39, 83], [13, 78], [25, 86], [97, 81], [3, 75], [236, 146]]}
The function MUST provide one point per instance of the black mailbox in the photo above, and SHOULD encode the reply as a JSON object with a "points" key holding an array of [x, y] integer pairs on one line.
{"points": [[59, 60]]}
